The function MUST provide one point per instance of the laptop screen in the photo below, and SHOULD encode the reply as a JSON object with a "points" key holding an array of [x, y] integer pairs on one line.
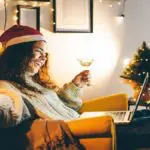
{"points": [[140, 93]]}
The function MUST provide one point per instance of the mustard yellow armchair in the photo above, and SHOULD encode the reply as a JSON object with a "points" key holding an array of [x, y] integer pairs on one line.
{"points": [[98, 133]]}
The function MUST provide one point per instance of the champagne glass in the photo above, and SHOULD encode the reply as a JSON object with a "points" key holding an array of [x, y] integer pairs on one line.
{"points": [[86, 63]]}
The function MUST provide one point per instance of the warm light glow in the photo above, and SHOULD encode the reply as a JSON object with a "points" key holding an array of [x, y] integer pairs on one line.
{"points": [[110, 6], [16, 11], [1, 3], [134, 99], [100, 1], [15, 18], [22, 3], [119, 19], [126, 61], [46, 3], [35, 4], [119, 3], [0, 45], [100, 46]]}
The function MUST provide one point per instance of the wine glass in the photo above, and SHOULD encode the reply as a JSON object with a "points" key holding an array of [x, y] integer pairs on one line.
{"points": [[86, 63]]}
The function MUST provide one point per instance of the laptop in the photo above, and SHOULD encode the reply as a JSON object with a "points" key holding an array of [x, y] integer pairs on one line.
{"points": [[120, 117]]}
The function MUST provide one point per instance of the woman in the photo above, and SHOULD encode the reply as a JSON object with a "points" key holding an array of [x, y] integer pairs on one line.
{"points": [[24, 71], [27, 92]]}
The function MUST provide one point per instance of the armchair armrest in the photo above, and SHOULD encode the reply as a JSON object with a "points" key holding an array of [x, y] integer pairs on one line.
{"points": [[108, 103], [92, 127]]}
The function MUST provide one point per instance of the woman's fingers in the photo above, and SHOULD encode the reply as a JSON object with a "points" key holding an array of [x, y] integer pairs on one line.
{"points": [[82, 78]]}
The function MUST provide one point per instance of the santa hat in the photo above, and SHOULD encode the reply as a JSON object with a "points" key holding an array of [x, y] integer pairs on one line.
{"points": [[19, 34]]}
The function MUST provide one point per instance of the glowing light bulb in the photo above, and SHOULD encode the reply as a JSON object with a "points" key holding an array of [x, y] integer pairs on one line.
{"points": [[119, 3], [16, 11], [126, 61], [120, 18]]}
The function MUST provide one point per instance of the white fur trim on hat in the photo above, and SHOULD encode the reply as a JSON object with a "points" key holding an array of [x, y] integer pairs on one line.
{"points": [[26, 38]]}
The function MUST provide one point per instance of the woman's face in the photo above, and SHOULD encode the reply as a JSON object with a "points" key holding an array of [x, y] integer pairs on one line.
{"points": [[39, 57]]}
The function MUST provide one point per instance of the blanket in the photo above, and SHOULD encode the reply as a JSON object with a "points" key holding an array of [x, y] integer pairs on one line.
{"points": [[39, 135]]}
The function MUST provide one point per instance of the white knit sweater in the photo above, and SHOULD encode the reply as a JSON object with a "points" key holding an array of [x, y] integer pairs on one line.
{"points": [[62, 105]]}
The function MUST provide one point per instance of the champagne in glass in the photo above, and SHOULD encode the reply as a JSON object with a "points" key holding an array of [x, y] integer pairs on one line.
{"points": [[86, 63]]}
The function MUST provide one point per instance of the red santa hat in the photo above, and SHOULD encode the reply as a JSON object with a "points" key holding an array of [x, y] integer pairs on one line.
{"points": [[19, 34]]}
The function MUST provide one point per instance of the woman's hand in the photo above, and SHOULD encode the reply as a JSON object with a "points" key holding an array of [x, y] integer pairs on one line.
{"points": [[82, 78]]}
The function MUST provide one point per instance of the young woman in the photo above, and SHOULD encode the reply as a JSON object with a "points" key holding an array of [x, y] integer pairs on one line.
{"points": [[24, 72], [27, 94]]}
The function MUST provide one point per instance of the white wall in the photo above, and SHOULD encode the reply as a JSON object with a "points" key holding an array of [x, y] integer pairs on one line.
{"points": [[108, 45]]}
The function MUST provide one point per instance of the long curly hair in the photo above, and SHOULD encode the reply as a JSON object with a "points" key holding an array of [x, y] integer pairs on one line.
{"points": [[13, 65]]}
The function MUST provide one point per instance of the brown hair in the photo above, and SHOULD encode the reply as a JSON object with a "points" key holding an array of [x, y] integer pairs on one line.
{"points": [[13, 63]]}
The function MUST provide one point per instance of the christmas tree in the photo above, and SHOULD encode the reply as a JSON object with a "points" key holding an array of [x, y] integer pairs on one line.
{"points": [[136, 70], [139, 65]]}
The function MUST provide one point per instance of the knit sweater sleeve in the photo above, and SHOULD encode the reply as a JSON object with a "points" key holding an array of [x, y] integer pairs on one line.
{"points": [[71, 96], [11, 106]]}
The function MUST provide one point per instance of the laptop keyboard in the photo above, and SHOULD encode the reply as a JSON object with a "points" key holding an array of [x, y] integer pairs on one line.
{"points": [[117, 115]]}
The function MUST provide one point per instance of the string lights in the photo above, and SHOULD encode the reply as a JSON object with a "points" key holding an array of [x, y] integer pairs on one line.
{"points": [[120, 17], [126, 61], [110, 5], [33, 4], [137, 68]]}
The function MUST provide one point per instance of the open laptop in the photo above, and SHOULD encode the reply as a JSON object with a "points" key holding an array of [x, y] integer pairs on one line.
{"points": [[120, 117]]}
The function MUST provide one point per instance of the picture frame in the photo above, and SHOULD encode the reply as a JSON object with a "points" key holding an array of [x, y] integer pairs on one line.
{"points": [[29, 16], [73, 16]]}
